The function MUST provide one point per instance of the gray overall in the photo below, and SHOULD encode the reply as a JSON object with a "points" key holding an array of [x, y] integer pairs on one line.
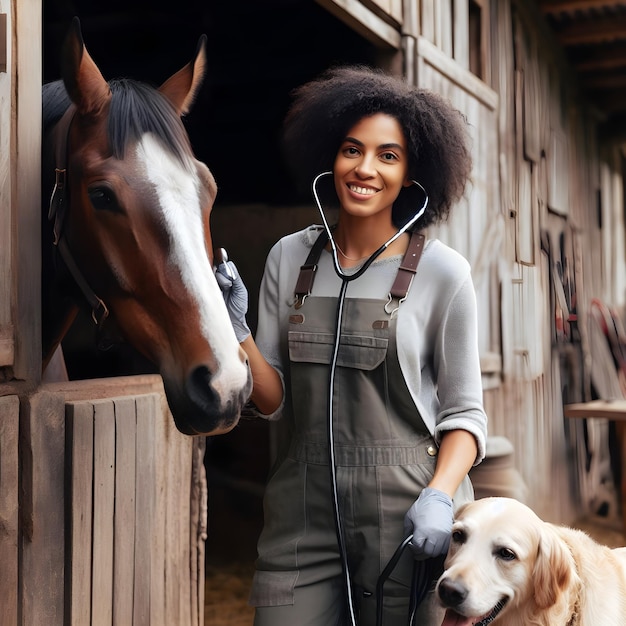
{"points": [[384, 456]]}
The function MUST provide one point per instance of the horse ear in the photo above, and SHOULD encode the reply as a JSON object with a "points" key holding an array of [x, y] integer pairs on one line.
{"points": [[83, 81], [181, 88]]}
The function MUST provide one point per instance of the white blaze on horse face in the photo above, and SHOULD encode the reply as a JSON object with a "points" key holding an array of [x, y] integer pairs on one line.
{"points": [[177, 188]]}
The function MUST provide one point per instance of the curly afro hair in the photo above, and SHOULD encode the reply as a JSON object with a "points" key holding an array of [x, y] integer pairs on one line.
{"points": [[324, 110]]}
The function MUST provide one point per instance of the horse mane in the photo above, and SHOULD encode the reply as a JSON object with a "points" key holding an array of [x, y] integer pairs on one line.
{"points": [[136, 108]]}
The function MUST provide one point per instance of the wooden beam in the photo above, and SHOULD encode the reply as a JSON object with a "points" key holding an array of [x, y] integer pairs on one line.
{"points": [[365, 22], [552, 7], [604, 29], [601, 58], [600, 81], [611, 103]]}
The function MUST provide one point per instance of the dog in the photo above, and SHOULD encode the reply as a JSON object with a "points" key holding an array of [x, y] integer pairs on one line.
{"points": [[507, 566]]}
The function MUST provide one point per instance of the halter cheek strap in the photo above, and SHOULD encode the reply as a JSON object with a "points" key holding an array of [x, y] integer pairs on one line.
{"points": [[56, 215]]}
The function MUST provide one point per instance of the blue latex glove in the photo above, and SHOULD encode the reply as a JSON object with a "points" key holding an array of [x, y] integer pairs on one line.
{"points": [[429, 520], [235, 296]]}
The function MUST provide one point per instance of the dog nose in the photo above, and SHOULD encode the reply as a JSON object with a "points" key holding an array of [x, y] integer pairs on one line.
{"points": [[452, 593]]}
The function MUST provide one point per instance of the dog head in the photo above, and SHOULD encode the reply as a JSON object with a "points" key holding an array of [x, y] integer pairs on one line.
{"points": [[503, 560]]}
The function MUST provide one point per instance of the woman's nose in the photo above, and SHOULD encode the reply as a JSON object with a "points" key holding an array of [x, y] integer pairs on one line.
{"points": [[365, 168]]}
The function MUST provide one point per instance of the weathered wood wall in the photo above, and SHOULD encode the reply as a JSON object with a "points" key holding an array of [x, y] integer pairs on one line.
{"points": [[528, 228]]}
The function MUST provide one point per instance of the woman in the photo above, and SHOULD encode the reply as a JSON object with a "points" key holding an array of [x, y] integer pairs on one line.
{"points": [[407, 415]]}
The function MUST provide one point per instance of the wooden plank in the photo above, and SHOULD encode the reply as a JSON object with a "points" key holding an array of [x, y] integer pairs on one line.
{"points": [[79, 423], [199, 509], [25, 187], [396, 11], [524, 219], [184, 465], [364, 22], [607, 409], [172, 530], [9, 511], [460, 77], [428, 20], [558, 179], [6, 231], [124, 525], [411, 18], [103, 512], [74, 390], [165, 478], [145, 513], [7, 346], [443, 21], [460, 29], [42, 504]]}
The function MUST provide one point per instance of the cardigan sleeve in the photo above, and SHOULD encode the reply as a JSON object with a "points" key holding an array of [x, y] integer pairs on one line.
{"points": [[457, 366], [268, 331]]}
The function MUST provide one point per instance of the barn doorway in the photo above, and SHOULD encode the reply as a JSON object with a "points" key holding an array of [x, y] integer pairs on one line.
{"points": [[258, 51]]}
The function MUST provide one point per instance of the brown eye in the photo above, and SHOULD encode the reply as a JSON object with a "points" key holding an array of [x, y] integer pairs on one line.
{"points": [[103, 199], [506, 554], [458, 536]]}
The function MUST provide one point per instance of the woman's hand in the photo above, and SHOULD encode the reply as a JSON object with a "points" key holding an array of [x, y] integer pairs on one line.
{"points": [[430, 521], [235, 296]]}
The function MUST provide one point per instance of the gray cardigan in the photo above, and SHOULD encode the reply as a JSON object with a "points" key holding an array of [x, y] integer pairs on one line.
{"points": [[436, 328]]}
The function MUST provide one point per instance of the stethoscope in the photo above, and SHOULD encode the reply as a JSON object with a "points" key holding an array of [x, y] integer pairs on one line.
{"points": [[345, 280]]}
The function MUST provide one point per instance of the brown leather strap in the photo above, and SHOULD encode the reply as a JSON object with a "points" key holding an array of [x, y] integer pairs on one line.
{"points": [[402, 282], [408, 266], [56, 214], [304, 285], [58, 199]]}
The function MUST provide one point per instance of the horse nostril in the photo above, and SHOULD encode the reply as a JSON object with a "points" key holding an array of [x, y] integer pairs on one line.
{"points": [[452, 593], [199, 388]]}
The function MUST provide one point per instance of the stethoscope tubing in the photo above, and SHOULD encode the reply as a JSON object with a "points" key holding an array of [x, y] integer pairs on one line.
{"points": [[345, 280]]}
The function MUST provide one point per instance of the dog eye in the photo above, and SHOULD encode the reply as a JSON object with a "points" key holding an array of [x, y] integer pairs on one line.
{"points": [[458, 536], [506, 554]]}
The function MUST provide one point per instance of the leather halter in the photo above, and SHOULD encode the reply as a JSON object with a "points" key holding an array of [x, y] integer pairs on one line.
{"points": [[56, 215]]}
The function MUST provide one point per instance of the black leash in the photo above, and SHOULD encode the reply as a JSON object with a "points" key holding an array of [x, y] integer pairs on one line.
{"points": [[423, 572]]}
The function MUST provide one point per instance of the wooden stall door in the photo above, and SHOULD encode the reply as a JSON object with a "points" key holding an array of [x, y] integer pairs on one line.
{"points": [[132, 559], [9, 428], [114, 508]]}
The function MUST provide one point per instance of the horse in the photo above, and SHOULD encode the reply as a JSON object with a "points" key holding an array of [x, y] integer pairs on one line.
{"points": [[127, 233]]}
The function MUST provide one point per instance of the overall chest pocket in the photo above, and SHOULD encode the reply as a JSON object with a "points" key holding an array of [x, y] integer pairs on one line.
{"points": [[364, 352]]}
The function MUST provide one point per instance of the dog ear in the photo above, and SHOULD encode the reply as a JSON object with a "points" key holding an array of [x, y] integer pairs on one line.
{"points": [[553, 569]]}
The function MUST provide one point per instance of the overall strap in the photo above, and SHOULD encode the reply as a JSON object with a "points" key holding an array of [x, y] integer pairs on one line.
{"points": [[304, 285], [401, 284], [408, 267]]}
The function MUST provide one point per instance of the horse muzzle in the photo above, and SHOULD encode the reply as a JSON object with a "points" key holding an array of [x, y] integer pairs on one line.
{"points": [[207, 404]]}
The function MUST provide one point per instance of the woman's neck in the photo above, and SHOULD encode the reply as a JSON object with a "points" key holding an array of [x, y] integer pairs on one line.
{"points": [[356, 240]]}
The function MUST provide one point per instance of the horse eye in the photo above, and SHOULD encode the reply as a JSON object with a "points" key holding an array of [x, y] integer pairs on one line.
{"points": [[506, 554], [103, 199]]}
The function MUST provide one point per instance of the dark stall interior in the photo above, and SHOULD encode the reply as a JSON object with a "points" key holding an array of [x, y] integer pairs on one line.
{"points": [[258, 51]]}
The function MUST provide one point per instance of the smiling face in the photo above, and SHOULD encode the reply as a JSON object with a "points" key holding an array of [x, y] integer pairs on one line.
{"points": [[371, 166]]}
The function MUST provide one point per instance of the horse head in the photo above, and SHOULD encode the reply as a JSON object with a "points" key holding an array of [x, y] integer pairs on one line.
{"points": [[130, 219]]}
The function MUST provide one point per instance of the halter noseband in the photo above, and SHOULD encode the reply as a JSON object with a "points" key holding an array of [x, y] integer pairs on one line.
{"points": [[56, 215]]}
